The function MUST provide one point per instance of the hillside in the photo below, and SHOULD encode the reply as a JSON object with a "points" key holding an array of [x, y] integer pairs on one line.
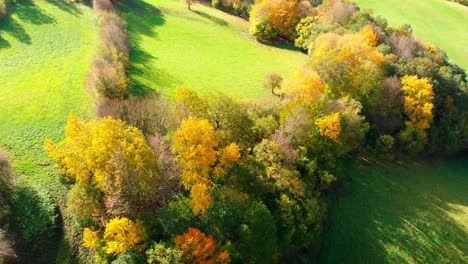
{"points": [[204, 49], [393, 213], [45, 50], [439, 22]]}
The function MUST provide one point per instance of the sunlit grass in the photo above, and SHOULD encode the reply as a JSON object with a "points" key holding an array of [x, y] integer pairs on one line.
{"points": [[204, 49], [438, 22]]}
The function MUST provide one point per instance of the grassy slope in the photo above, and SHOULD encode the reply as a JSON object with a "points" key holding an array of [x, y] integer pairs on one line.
{"points": [[204, 49], [438, 22], [45, 51], [394, 214]]}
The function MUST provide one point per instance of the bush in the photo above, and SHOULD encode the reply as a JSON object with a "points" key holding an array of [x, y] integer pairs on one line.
{"points": [[162, 254], [102, 6], [4, 8], [236, 7], [263, 30], [106, 80]]}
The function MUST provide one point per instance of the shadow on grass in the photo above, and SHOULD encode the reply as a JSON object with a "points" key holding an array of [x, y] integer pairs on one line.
{"points": [[11, 27], [66, 6], [396, 214], [216, 20], [143, 19], [35, 221], [29, 12]]}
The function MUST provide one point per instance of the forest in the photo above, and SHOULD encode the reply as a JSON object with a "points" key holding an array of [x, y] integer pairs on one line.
{"points": [[231, 131]]}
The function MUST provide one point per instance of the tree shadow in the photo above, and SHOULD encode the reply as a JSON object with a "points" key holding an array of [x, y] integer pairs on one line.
{"points": [[143, 19], [35, 223], [400, 214], [16, 30], [66, 6], [29, 12], [216, 20]]}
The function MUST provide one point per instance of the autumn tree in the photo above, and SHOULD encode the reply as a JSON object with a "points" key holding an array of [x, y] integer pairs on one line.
{"points": [[122, 234], [330, 126], [200, 248], [190, 3], [113, 158], [349, 64], [194, 144], [418, 108], [271, 17], [91, 238], [305, 85]]}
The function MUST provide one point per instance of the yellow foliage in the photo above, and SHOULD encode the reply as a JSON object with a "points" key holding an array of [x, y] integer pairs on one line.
{"points": [[229, 155], [418, 101], [283, 15], [90, 238], [330, 126], [194, 144], [201, 199], [97, 152], [368, 33], [122, 234], [305, 85]]}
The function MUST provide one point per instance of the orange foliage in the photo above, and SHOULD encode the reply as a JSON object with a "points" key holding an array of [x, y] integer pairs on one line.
{"points": [[200, 248], [284, 15]]}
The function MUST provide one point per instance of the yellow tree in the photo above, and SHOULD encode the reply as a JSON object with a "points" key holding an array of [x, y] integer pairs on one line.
{"points": [[418, 107], [111, 157], [194, 144], [330, 126], [349, 64], [305, 85], [122, 234], [284, 15]]}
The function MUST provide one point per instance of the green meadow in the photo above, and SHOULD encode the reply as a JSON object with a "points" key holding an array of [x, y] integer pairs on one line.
{"points": [[438, 22], [45, 51], [393, 213], [204, 49]]}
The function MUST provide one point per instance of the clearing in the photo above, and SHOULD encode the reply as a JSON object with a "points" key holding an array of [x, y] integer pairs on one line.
{"points": [[438, 22], [204, 49], [391, 213]]}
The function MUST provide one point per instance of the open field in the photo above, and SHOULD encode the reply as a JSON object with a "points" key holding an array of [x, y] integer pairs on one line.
{"points": [[45, 51], [204, 49], [417, 213], [439, 22]]}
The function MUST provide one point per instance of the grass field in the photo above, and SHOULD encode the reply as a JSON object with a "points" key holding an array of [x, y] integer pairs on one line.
{"points": [[204, 49], [417, 213], [439, 22], [45, 51]]}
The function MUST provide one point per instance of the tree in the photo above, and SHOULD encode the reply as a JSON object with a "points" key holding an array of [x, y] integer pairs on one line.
{"points": [[194, 145], [269, 17], [330, 126], [91, 238], [418, 108], [115, 159], [273, 82], [200, 248], [189, 3], [122, 234], [305, 85]]}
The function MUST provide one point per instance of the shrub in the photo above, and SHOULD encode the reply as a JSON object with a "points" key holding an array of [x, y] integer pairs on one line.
{"points": [[162, 254], [263, 30], [4, 8], [122, 234], [273, 82], [102, 6], [106, 80]]}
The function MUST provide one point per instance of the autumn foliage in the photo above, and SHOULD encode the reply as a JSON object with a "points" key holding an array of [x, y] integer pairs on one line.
{"points": [[418, 108], [200, 248], [330, 126], [122, 234]]}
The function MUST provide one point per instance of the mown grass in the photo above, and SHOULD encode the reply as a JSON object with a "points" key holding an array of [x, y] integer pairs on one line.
{"points": [[439, 22], [45, 51], [416, 213], [204, 49]]}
